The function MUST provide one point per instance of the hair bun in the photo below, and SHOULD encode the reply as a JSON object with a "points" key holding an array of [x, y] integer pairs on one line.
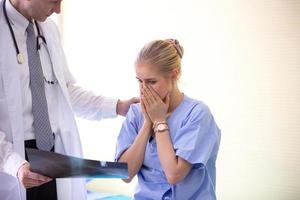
{"points": [[177, 46]]}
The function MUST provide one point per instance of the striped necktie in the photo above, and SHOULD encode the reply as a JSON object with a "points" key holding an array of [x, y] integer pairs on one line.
{"points": [[41, 124]]}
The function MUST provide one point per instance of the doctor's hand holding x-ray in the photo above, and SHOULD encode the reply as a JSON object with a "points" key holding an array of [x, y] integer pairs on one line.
{"points": [[38, 100], [30, 179]]}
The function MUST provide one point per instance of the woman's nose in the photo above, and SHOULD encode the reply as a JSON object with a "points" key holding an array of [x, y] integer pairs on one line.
{"points": [[142, 85]]}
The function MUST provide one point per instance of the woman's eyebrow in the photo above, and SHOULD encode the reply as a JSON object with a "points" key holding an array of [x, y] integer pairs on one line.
{"points": [[147, 79]]}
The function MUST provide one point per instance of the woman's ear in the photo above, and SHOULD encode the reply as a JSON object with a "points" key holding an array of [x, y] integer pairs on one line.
{"points": [[175, 74]]}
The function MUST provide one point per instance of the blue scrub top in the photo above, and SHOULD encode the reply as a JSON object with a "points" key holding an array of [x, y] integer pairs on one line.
{"points": [[196, 139]]}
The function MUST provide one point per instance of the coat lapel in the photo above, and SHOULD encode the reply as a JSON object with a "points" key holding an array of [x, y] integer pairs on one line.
{"points": [[12, 89], [55, 53]]}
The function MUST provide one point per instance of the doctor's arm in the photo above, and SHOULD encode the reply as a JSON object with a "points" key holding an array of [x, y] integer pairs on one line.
{"points": [[12, 163], [95, 107]]}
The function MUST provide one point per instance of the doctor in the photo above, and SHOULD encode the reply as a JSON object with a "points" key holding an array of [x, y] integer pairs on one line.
{"points": [[38, 96]]}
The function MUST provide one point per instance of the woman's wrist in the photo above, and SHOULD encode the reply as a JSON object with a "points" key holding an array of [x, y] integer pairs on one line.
{"points": [[160, 126], [147, 125], [146, 129], [159, 120]]}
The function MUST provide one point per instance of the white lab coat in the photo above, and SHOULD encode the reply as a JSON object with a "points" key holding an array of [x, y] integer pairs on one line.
{"points": [[11, 121]]}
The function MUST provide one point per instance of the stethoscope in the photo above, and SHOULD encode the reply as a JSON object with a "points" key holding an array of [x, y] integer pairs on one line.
{"points": [[20, 57]]}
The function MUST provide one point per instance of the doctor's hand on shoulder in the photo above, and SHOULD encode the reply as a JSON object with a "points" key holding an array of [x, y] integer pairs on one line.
{"points": [[123, 105], [30, 179]]}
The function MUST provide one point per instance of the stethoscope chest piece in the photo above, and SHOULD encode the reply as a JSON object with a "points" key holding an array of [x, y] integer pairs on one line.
{"points": [[20, 58]]}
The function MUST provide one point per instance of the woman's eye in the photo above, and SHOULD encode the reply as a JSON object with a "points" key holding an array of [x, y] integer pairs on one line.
{"points": [[152, 82]]}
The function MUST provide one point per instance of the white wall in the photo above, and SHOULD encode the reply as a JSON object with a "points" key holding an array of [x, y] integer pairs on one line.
{"points": [[241, 58]]}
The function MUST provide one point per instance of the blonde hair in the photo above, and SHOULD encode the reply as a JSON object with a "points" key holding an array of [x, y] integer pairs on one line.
{"points": [[164, 54]]}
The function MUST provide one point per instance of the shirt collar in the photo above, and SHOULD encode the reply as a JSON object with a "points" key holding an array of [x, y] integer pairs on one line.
{"points": [[16, 18]]}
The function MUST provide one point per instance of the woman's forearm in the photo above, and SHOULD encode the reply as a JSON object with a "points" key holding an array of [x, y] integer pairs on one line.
{"points": [[174, 167], [134, 155], [166, 152]]}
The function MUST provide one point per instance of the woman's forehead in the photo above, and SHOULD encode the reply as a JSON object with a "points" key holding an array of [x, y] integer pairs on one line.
{"points": [[146, 70]]}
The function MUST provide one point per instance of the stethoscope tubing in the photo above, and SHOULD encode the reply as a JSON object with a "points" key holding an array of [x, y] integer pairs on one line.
{"points": [[10, 28], [13, 34]]}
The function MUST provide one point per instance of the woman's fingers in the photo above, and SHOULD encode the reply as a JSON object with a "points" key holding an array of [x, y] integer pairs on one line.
{"points": [[167, 101], [154, 94], [147, 93], [146, 101], [155, 107], [143, 105]]}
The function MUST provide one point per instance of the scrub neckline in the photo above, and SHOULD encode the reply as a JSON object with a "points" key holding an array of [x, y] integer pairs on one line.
{"points": [[178, 107]]}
